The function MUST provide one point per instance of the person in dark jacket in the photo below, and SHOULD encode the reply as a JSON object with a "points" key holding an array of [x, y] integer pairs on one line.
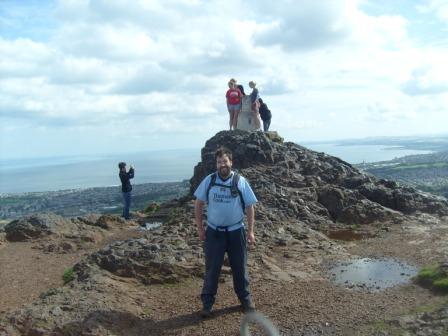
{"points": [[265, 114], [239, 86], [126, 187]]}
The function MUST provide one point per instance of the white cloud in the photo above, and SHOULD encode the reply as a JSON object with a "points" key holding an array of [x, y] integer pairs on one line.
{"points": [[161, 67], [389, 112], [439, 7], [304, 25], [427, 79]]}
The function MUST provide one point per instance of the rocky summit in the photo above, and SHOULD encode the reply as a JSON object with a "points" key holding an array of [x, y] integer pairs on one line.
{"points": [[147, 282], [296, 184]]}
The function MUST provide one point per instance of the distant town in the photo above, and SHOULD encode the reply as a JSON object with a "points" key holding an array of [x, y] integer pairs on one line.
{"points": [[426, 172], [79, 202]]}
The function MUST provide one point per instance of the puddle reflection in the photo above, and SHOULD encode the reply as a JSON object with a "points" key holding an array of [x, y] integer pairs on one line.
{"points": [[372, 274], [348, 235]]}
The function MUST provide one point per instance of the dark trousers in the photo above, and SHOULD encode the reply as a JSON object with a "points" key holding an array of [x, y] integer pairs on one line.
{"points": [[126, 204], [217, 243], [266, 124]]}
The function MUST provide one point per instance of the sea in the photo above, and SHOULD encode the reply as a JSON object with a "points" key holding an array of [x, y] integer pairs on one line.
{"points": [[363, 153], [87, 171]]}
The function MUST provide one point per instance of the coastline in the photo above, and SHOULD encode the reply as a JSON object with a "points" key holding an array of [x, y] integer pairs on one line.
{"points": [[77, 202]]}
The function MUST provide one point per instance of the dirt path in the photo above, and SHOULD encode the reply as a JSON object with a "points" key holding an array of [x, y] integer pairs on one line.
{"points": [[299, 306], [26, 271]]}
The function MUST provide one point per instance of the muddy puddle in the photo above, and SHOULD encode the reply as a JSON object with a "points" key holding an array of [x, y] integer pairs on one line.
{"points": [[372, 274], [348, 235]]}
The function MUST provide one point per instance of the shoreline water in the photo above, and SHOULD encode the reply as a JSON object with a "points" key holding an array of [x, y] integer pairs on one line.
{"points": [[68, 173], [156, 167]]}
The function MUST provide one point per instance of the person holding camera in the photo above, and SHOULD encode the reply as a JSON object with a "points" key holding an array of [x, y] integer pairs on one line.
{"points": [[126, 187]]}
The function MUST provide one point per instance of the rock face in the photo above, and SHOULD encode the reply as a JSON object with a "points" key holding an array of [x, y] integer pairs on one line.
{"points": [[293, 182], [151, 263], [35, 226], [58, 234]]}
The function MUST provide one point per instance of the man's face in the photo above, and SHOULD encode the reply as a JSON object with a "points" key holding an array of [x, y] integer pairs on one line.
{"points": [[224, 165]]}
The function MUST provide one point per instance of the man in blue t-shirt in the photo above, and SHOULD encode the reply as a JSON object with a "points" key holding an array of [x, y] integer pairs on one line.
{"points": [[225, 229]]}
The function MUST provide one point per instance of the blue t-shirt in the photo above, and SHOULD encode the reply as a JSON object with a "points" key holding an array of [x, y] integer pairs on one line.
{"points": [[222, 208]]}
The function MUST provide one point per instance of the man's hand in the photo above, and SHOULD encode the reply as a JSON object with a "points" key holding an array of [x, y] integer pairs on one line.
{"points": [[250, 237], [250, 224]]}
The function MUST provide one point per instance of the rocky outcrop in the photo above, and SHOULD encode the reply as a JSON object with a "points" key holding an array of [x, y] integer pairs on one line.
{"points": [[53, 233], [151, 263], [35, 226], [424, 324], [294, 183]]}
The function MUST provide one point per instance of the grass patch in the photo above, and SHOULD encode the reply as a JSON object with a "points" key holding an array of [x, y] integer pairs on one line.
{"points": [[69, 275], [442, 284], [152, 208], [383, 327], [435, 277]]}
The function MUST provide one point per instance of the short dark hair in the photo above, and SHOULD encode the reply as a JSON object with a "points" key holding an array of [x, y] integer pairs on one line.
{"points": [[121, 165], [221, 151]]}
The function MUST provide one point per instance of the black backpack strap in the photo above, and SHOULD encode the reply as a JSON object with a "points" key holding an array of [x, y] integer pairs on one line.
{"points": [[211, 184], [234, 187], [235, 191]]}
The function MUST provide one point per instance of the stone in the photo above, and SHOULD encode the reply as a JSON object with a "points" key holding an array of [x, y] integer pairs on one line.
{"points": [[35, 226], [246, 118]]}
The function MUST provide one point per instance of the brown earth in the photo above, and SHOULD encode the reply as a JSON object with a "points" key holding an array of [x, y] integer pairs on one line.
{"points": [[293, 289], [27, 270]]}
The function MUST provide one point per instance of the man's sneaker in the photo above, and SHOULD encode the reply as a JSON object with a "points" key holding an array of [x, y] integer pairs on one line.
{"points": [[206, 313], [247, 307]]}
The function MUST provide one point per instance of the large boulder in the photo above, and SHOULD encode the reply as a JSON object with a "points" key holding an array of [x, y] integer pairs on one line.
{"points": [[149, 262], [404, 199], [35, 226]]}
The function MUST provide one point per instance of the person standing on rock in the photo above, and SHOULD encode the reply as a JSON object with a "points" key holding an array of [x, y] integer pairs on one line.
{"points": [[254, 99], [233, 97], [126, 187], [228, 195], [238, 86], [265, 114]]}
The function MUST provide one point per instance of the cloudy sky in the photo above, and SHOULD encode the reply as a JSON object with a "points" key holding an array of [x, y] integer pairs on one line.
{"points": [[103, 76]]}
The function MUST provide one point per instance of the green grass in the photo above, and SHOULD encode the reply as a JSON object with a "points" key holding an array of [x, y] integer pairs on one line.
{"points": [[69, 275], [433, 276], [442, 284], [152, 208], [382, 326]]}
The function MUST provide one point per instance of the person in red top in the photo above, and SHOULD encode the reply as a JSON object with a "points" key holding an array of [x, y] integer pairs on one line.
{"points": [[233, 97]]}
